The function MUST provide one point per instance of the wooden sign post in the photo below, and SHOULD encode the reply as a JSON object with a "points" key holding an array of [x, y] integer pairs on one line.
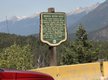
{"points": [[53, 31], [53, 55]]}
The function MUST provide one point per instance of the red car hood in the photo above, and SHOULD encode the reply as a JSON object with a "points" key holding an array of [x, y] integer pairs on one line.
{"points": [[23, 75]]}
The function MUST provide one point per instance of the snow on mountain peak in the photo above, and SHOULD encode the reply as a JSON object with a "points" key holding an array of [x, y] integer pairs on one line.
{"points": [[17, 18], [84, 9]]}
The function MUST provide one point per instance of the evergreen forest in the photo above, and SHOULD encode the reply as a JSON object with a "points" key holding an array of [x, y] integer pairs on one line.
{"points": [[28, 52]]}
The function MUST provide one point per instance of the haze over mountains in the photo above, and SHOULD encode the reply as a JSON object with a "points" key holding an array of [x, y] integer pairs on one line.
{"points": [[21, 26], [94, 18]]}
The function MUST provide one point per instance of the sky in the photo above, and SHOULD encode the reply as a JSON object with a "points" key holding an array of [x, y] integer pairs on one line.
{"points": [[11, 8]]}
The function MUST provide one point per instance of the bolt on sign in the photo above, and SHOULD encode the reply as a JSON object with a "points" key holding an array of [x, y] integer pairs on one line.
{"points": [[53, 28]]}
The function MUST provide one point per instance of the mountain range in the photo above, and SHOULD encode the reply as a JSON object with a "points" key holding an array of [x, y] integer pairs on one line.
{"points": [[30, 25], [20, 26], [94, 18], [100, 34]]}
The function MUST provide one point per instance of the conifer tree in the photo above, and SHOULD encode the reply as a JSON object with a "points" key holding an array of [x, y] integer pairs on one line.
{"points": [[81, 50]]}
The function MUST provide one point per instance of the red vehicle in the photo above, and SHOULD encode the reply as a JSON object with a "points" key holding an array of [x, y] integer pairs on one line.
{"points": [[23, 75]]}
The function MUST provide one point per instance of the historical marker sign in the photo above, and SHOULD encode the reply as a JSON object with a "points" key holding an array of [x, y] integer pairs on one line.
{"points": [[53, 28]]}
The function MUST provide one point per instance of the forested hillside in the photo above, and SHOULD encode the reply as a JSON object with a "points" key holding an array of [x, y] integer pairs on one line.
{"points": [[26, 52]]}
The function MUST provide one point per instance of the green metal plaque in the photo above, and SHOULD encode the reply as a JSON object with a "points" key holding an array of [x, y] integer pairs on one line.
{"points": [[53, 28]]}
